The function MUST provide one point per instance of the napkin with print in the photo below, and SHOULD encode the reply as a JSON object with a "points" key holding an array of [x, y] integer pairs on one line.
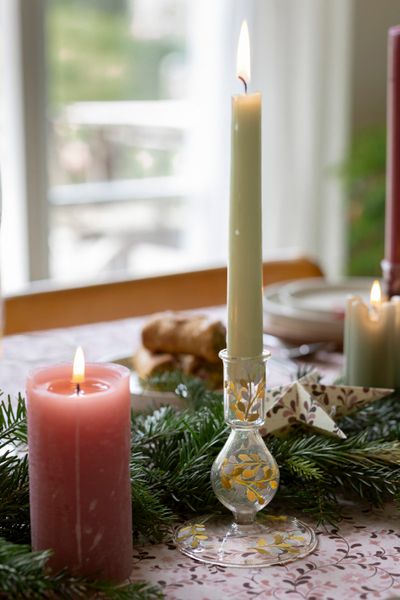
{"points": [[308, 402]]}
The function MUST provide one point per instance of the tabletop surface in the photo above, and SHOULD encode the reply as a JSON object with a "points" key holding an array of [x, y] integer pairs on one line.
{"points": [[360, 559]]}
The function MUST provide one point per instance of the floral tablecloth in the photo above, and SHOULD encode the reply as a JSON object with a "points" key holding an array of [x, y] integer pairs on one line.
{"points": [[360, 559]]}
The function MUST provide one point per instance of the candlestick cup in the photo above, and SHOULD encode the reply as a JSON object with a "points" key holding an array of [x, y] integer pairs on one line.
{"points": [[245, 478]]}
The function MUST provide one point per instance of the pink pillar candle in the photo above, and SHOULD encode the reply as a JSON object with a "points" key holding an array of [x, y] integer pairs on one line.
{"points": [[79, 452]]}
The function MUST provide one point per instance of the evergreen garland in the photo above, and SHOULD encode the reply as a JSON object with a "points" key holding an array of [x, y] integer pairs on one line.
{"points": [[172, 454]]}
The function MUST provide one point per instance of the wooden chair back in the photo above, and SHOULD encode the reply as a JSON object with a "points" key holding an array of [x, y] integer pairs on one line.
{"points": [[48, 308]]}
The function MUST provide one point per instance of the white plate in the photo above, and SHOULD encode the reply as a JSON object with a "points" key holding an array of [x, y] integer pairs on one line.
{"points": [[146, 400], [324, 298], [308, 310]]}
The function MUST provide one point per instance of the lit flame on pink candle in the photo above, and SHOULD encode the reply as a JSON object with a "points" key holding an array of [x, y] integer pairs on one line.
{"points": [[78, 368]]}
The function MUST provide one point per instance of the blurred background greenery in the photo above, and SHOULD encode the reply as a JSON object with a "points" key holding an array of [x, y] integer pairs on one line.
{"points": [[93, 55], [364, 177]]}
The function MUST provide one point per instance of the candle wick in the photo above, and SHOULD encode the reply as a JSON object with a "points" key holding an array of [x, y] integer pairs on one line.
{"points": [[78, 388], [244, 83]]}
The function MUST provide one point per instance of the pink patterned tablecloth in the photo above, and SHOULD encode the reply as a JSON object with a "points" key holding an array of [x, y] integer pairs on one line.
{"points": [[360, 559]]}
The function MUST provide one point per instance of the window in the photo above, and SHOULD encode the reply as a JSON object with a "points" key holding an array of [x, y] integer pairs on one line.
{"points": [[116, 133], [118, 115]]}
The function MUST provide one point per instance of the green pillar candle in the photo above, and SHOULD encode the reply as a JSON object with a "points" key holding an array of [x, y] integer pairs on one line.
{"points": [[245, 317], [369, 343]]}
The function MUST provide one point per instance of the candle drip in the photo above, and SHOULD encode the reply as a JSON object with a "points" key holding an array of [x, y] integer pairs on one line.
{"points": [[242, 79]]}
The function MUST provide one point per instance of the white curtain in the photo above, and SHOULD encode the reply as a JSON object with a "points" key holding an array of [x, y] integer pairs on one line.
{"points": [[301, 64]]}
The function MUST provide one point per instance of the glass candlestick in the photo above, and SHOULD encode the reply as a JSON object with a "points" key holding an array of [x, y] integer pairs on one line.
{"points": [[245, 478]]}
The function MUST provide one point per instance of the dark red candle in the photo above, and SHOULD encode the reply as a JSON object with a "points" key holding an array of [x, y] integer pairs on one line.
{"points": [[391, 264]]}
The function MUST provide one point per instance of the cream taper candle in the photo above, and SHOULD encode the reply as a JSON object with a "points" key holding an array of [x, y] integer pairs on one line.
{"points": [[245, 318]]}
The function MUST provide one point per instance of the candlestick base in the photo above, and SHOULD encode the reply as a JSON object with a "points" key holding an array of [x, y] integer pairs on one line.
{"points": [[268, 541], [245, 478], [391, 278]]}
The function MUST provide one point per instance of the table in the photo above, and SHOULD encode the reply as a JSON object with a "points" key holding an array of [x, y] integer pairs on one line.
{"points": [[360, 559]]}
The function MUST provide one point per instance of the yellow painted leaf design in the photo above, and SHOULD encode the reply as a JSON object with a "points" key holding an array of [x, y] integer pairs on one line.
{"points": [[251, 496], [241, 406], [201, 537], [185, 529], [247, 473], [267, 472], [225, 482], [262, 551], [261, 542], [240, 415], [237, 470], [273, 484], [185, 536], [260, 499], [199, 525], [253, 417], [260, 484], [278, 539], [195, 543], [245, 457], [300, 538]]}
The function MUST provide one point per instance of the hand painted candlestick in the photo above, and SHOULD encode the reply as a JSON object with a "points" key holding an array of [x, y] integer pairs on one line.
{"points": [[391, 264], [79, 451], [245, 322], [244, 475]]}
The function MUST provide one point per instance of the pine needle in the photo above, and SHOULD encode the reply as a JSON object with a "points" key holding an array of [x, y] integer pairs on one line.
{"points": [[23, 576]]}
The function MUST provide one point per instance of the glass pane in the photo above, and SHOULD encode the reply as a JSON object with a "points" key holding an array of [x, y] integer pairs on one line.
{"points": [[117, 109]]}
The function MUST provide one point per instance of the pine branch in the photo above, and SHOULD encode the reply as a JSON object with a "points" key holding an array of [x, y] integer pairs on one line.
{"points": [[368, 469], [181, 448], [23, 576], [319, 502], [14, 498], [150, 516], [379, 420], [170, 474], [13, 428]]}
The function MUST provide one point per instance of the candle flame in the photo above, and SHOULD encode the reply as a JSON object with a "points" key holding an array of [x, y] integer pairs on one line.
{"points": [[376, 294], [243, 54], [78, 369]]}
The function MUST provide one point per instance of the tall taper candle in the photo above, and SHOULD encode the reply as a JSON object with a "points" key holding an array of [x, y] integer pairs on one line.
{"points": [[391, 264], [245, 319]]}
